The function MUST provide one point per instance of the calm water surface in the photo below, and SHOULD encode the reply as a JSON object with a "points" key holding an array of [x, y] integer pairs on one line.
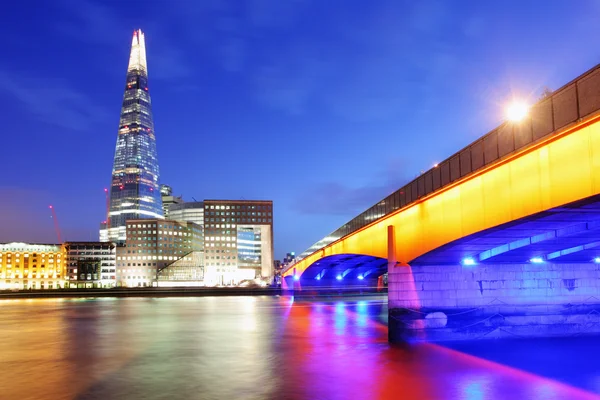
{"points": [[265, 348]]}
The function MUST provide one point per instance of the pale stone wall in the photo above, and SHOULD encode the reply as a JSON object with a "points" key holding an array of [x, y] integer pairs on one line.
{"points": [[448, 302]]}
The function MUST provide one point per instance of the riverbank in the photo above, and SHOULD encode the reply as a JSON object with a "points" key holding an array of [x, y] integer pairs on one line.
{"points": [[140, 292], [182, 292]]}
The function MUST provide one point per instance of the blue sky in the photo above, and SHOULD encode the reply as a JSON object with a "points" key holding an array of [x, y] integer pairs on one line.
{"points": [[323, 107]]}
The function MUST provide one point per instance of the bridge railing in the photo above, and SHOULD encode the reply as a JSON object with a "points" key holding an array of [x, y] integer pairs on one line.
{"points": [[566, 106]]}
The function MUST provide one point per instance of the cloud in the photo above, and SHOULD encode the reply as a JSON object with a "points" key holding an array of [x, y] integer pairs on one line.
{"points": [[384, 64], [277, 89], [274, 13], [90, 22], [95, 23], [168, 63], [53, 102], [334, 198]]}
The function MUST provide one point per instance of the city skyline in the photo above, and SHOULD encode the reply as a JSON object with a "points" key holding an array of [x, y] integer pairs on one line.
{"points": [[251, 95]]}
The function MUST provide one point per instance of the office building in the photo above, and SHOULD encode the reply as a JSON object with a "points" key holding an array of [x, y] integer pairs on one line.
{"points": [[151, 246], [90, 264], [192, 211], [186, 271], [238, 241], [32, 266], [134, 190], [168, 199]]}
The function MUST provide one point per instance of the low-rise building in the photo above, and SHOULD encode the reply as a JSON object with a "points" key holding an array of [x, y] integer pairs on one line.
{"points": [[151, 245], [91, 264], [238, 241], [31, 266]]}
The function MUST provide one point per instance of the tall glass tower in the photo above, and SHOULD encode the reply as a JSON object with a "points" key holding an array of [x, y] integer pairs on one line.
{"points": [[134, 191]]}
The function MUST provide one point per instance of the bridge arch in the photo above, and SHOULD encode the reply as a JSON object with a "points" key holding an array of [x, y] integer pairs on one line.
{"points": [[358, 270]]}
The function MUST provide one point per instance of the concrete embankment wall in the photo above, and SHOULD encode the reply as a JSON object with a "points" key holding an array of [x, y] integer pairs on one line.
{"points": [[455, 302]]}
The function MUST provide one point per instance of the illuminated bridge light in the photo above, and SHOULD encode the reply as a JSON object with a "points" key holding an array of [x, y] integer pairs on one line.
{"points": [[537, 260], [318, 277], [339, 277], [468, 261], [597, 260], [296, 277], [360, 277]]}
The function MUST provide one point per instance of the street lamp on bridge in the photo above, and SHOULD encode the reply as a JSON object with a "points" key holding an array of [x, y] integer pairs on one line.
{"points": [[517, 111]]}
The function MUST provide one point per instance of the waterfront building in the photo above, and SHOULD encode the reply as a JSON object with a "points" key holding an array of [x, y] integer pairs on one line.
{"points": [[90, 264], [192, 211], [186, 271], [134, 190], [32, 266], [151, 246], [238, 241], [168, 199]]}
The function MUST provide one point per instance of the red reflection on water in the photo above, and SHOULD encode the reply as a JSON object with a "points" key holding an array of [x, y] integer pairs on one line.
{"points": [[337, 351]]}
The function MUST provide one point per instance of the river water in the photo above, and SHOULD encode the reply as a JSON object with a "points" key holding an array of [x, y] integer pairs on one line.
{"points": [[265, 348]]}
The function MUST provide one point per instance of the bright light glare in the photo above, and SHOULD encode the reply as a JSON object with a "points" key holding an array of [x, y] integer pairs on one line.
{"points": [[318, 277], [339, 277], [468, 261], [360, 277], [296, 277], [597, 260], [516, 111], [537, 260]]}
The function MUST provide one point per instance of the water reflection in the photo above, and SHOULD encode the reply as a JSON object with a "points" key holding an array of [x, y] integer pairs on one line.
{"points": [[262, 348]]}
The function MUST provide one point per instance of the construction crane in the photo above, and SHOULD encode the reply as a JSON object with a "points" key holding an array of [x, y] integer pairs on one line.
{"points": [[56, 224]]}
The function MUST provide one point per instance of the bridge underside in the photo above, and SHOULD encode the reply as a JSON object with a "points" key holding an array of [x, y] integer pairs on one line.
{"points": [[349, 270], [567, 234]]}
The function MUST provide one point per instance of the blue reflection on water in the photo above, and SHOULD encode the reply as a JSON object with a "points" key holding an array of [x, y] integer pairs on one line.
{"points": [[473, 390]]}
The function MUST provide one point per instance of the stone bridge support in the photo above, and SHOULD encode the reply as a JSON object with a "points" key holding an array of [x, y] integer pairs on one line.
{"points": [[456, 302]]}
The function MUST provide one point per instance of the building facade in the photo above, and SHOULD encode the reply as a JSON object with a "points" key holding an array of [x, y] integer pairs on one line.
{"points": [[32, 266], [134, 190], [168, 199], [151, 246], [238, 241], [192, 211], [90, 264]]}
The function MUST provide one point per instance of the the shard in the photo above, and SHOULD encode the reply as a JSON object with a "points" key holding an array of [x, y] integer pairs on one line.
{"points": [[134, 190]]}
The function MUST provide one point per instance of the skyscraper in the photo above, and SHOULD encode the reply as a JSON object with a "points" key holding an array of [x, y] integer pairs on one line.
{"points": [[134, 191]]}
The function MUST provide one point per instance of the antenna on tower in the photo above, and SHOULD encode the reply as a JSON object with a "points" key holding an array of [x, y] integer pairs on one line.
{"points": [[56, 224]]}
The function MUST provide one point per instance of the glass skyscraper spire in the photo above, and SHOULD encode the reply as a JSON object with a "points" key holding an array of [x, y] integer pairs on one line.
{"points": [[134, 190]]}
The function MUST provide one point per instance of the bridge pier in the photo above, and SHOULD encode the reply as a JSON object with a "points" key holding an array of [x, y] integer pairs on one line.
{"points": [[456, 302]]}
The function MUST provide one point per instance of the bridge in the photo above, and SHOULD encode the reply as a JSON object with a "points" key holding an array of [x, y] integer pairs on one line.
{"points": [[502, 239]]}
